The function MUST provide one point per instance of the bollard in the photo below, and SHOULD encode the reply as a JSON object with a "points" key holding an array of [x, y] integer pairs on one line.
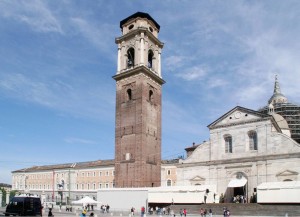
{"points": [[286, 215], [121, 214]]}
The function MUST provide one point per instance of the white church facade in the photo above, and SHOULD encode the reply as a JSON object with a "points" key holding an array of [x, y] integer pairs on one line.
{"points": [[246, 148]]}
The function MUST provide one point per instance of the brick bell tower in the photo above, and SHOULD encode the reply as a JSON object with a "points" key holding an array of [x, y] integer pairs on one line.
{"points": [[138, 103]]}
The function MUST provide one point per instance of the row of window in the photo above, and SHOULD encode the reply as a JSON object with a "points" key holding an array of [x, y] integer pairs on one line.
{"points": [[252, 135], [37, 186], [129, 95], [35, 176], [93, 186], [93, 174], [131, 55], [87, 174], [88, 186]]}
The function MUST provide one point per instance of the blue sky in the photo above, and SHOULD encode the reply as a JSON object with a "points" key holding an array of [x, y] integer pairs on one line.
{"points": [[57, 59]]}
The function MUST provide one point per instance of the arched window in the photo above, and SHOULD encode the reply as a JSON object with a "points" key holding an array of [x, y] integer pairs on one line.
{"points": [[150, 95], [252, 140], [129, 94], [150, 58], [130, 57], [169, 182], [228, 143]]}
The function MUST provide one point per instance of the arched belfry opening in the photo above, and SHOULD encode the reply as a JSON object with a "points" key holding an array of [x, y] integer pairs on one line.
{"points": [[130, 57], [150, 59]]}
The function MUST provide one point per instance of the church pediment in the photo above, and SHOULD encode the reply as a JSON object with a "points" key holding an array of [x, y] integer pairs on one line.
{"points": [[287, 173], [236, 116], [197, 179]]}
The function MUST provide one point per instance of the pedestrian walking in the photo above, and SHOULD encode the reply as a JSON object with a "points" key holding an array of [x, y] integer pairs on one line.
{"points": [[132, 211], [142, 211], [50, 212]]}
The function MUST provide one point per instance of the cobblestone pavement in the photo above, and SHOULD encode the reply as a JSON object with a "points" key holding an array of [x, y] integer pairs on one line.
{"points": [[63, 213]]}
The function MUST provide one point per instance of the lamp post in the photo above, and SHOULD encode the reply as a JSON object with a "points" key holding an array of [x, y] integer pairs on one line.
{"points": [[60, 191], [26, 190]]}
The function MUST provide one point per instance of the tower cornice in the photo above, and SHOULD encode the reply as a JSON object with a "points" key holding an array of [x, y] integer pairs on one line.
{"points": [[138, 31], [137, 70]]}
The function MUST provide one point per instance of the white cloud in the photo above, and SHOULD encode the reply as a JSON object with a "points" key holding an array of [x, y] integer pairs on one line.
{"points": [[174, 62], [74, 140], [181, 119], [193, 73], [214, 82], [99, 35], [72, 96], [34, 13]]}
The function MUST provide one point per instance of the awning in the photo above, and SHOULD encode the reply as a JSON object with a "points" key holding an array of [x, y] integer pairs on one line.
{"points": [[237, 183]]}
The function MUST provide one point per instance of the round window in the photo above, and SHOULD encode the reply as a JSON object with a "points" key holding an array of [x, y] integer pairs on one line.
{"points": [[131, 26]]}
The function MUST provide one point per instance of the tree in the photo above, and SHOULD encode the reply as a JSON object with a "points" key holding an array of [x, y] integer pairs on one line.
{"points": [[12, 194], [3, 197]]}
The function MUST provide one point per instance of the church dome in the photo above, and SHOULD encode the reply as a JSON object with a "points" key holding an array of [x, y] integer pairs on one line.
{"points": [[277, 96]]}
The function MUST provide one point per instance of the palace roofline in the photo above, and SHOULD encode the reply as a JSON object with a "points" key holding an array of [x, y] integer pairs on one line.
{"points": [[81, 165]]}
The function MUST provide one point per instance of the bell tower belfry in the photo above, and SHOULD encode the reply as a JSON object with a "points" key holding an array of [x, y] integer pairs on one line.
{"points": [[138, 103]]}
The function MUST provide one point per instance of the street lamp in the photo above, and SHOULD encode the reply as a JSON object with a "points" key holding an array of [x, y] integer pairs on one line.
{"points": [[60, 191]]}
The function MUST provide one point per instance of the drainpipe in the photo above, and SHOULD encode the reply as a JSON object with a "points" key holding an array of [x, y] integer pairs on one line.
{"points": [[69, 187], [53, 175]]}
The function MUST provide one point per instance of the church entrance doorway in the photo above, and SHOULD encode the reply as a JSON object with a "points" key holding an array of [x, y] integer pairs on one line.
{"points": [[237, 189]]}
